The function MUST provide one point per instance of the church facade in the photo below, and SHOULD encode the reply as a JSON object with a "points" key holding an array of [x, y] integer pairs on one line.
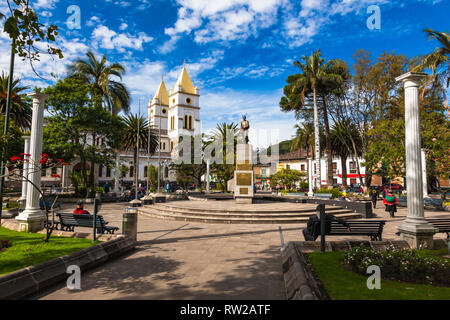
{"points": [[171, 113]]}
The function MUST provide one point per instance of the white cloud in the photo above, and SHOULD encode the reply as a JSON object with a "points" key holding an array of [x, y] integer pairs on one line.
{"points": [[45, 4], [109, 39], [123, 26], [222, 20]]}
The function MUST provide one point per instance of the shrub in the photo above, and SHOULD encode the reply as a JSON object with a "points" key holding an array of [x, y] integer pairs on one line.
{"points": [[400, 264], [334, 192]]}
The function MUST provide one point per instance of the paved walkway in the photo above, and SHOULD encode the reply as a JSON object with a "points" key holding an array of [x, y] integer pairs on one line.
{"points": [[180, 260]]}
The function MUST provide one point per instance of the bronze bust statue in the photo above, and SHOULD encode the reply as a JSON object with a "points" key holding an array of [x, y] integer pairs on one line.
{"points": [[245, 126]]}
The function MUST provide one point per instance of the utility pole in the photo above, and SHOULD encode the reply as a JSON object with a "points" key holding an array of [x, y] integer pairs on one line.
{"points": [[5, 129]]}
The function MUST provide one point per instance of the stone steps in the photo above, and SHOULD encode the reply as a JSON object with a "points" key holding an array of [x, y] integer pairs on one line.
{"points": [[308, 209], [244, 218]]}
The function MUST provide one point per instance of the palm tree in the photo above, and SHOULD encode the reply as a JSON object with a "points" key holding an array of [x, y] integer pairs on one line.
{"points": [[221, 134], [99, 74], [304, 138], [320, 78], [130, 136], [20, 109], [346, 142], [439, 64]]}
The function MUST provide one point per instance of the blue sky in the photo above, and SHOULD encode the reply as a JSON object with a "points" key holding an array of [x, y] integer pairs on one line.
{"points": [[239, 52]]}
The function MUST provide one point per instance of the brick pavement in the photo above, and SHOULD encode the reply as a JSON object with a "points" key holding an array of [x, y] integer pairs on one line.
{"points": [[183, 260]]}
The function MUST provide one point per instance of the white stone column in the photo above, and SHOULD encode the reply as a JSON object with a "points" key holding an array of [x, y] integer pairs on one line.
{"points": [[26, 150], [32, 218], [208, 175], [117, 176], [424, 173], [415, 229], [310, 175]]}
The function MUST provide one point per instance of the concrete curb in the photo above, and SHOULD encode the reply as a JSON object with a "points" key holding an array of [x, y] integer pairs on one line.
{"points": [[33, 279]]}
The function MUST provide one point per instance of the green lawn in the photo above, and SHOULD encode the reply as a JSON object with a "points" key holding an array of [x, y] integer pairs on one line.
{"points": [[342, 284], [29, 249]]}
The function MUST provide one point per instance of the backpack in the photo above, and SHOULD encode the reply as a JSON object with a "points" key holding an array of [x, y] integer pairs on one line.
{"points": [[390, 199]]}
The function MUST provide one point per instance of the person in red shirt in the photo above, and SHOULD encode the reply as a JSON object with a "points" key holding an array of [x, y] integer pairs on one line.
{"points": [[80, 209], [390, 201]]}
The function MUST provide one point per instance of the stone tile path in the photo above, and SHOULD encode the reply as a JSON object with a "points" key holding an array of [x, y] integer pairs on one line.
{"points": [[181, 260]]}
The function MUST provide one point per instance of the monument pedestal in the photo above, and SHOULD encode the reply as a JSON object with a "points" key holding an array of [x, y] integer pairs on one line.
{"points": [[243, 176]]}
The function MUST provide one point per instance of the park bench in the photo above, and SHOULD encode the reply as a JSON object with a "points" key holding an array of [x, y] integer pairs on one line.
{"points": [[441, 224], [68, 222], [323, 195], [370, 228]]}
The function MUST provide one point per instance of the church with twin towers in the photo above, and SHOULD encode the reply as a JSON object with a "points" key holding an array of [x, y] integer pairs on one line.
{"points": [[172, 114]]}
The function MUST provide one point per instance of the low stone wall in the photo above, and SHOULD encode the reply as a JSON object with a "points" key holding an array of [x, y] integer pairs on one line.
{"points": [[34, 279], [299, 278]]}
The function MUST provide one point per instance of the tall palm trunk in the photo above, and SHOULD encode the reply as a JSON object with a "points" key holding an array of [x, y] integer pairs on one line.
{"points": [[135, 172], [328, 145], [317, 139], [344, 170]]}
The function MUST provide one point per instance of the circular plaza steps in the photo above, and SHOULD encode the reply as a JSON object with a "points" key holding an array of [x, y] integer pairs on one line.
{"points": [[234, 213]]}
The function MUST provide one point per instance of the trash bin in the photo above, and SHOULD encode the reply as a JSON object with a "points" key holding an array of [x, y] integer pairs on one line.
{"points": [[129, 223]]}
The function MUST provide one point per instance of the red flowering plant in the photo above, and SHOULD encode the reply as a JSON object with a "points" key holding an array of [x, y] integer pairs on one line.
{"points": [[15, 172]]}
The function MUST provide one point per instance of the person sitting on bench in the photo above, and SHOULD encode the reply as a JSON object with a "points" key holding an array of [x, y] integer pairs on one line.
{"points": [[80, 209], [312, 231]]}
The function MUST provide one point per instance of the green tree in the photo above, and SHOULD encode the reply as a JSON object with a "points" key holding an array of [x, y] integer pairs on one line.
{"points": [[304, 138], [75, 119], [190, 172], [439, 64], [23, 27], [319, 79], [100, 75], [138, 126], [20, 109], [286, 178], [224, 171], [345, 142]]}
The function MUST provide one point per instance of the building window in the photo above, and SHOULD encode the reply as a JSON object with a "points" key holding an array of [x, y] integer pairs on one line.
{"points": [[108, 172], [171, 146], [100, 171], [302, 168], [172, 123], [43, 172], [145, 172], [352, 181], [164, 111], [190, 123], [263, 173], [164, 146], [334, 168], [54, 170], [352, 166], [185, 122], [131, 171]]}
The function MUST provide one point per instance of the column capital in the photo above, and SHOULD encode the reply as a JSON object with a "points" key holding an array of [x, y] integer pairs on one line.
{"points": [[412, 78], [41, 97], [26, 137]]}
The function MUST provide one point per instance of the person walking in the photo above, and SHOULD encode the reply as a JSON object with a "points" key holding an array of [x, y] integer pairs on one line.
{"points": [[374, 197], [390, 201]]}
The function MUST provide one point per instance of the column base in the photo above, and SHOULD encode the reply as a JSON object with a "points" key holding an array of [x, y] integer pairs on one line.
{"points": [[31, 220], [310, 194], [418, 233]]}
